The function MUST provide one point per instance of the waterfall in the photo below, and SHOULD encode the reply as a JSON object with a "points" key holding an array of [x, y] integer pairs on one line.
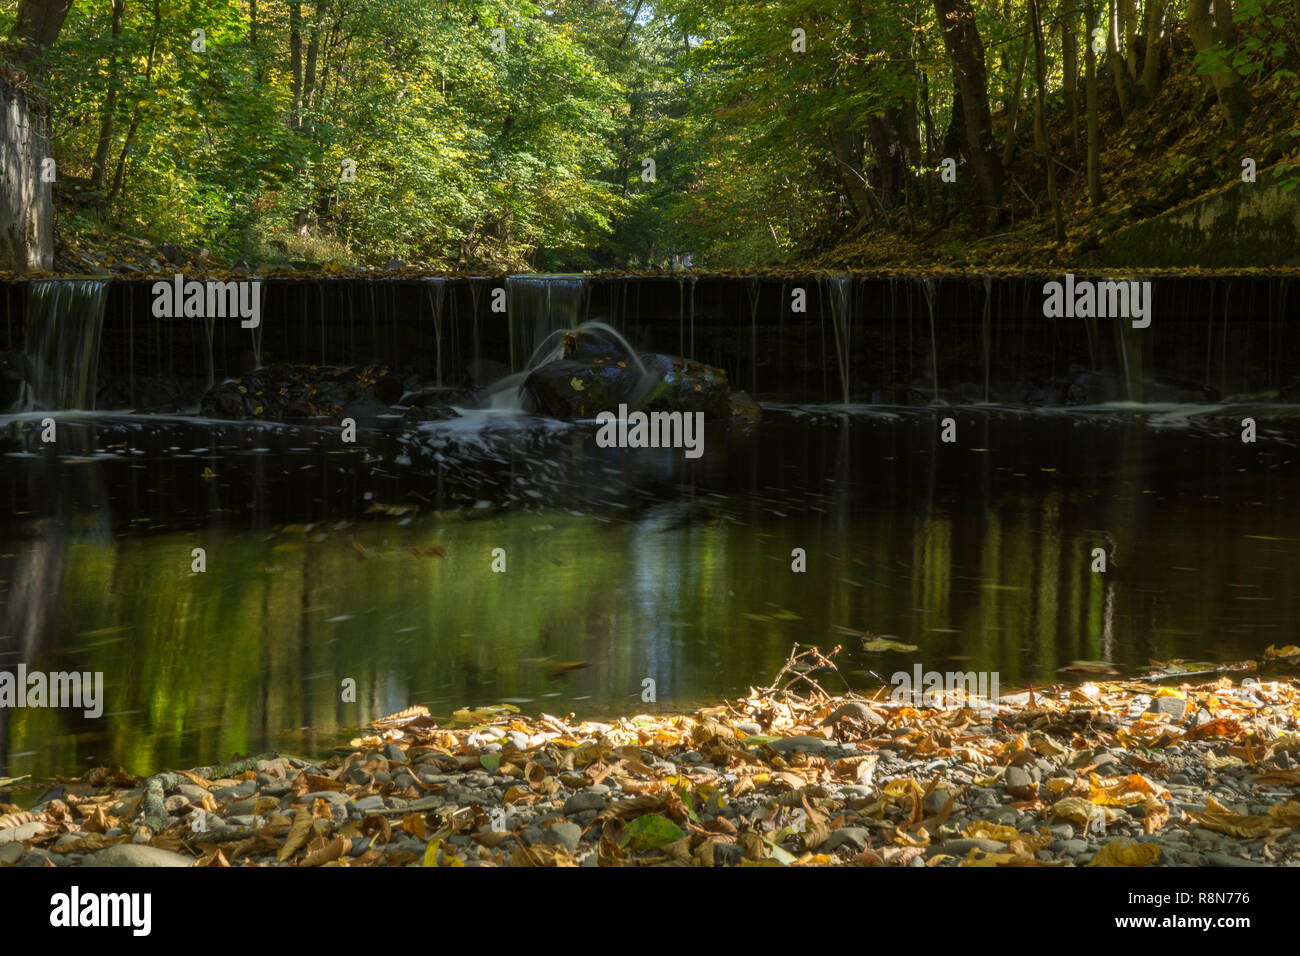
{"points": [[988, 353], [437, 290], [64, 320], [839, 294], [538, 306], [927, 286]]}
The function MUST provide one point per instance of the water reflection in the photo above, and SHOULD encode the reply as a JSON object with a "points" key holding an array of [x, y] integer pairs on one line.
{"points": [[374, 564]]}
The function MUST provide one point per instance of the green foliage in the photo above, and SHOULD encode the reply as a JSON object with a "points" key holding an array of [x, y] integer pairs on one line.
{"points": [[461, 152], [469, 153]]}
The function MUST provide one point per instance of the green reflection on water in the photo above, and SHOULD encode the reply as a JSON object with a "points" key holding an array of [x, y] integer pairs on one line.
{"points": [[251, 654]]}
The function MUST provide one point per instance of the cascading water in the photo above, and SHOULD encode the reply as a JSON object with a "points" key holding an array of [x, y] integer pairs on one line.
{"points": [[506, 394], [986, 341], [437, 291], [64, 320], [927, 286], [839, 293], [538, 306]]}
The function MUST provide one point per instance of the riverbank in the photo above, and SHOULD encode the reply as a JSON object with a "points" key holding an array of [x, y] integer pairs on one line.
{"points": [[1206, 773]]}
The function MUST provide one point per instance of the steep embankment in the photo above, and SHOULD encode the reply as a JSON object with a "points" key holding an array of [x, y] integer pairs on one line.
{"points": [[1173, 150]]}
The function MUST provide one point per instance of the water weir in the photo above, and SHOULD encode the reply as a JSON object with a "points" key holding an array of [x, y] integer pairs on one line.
{"points": [[94, 343]]}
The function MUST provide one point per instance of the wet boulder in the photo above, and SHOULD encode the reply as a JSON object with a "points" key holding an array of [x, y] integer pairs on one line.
{"points": [[435, 404], [304, 393], [592, 376]]}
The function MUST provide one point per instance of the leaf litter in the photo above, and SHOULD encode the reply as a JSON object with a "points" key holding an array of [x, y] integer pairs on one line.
{"points": [[1105, 773]]}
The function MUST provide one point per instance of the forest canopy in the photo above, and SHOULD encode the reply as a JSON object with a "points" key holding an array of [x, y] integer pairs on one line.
{"points": [[591, 134]]}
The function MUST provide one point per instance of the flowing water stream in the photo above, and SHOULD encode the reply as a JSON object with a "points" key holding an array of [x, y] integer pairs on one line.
{"points": [[374, 561]]}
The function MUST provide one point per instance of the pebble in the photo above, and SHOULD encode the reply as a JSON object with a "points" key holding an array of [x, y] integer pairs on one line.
{"points": [[565, 835], [854, 837], [130, 854], [584, 800], [855, 710]]}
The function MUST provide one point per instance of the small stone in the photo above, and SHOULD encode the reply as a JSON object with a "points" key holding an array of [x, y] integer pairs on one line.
{"points": [[854, 837], [936, 801], [584, 800], [1174, 707], [961, 847], [129, 854], [805, 743], [394, 753], [333, 796], [566, 835], [855, 710], [10, 853], [22, 832], [191, 792], [1017, 778], [240, 807]]}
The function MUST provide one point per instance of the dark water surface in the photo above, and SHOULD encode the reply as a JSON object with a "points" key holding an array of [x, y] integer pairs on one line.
{"points": [[373, 562]]}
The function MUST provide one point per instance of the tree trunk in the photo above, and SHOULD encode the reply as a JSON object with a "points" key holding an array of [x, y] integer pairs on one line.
{"points": [[119, 175], [966, 51], [35, 28], [1094, 116], [1009, 147], [1070, 68], [26, 200], [1129, 19], [1040, 124], [1150, 82], [295, 64], [854, 188], [100, 161], [1118, 70], [1209, 23], [927, 154]]}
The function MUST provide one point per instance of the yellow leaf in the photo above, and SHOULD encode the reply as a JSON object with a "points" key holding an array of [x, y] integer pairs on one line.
{"points": [[983, 830], [1082, 812], [1125, 853], [1219, 818]]}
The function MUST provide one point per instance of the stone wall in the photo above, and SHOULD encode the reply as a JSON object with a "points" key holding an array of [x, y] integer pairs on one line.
{"points": [[1241, 225]]}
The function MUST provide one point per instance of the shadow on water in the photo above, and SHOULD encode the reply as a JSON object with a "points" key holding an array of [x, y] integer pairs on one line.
{"points": [[374, 562]]}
